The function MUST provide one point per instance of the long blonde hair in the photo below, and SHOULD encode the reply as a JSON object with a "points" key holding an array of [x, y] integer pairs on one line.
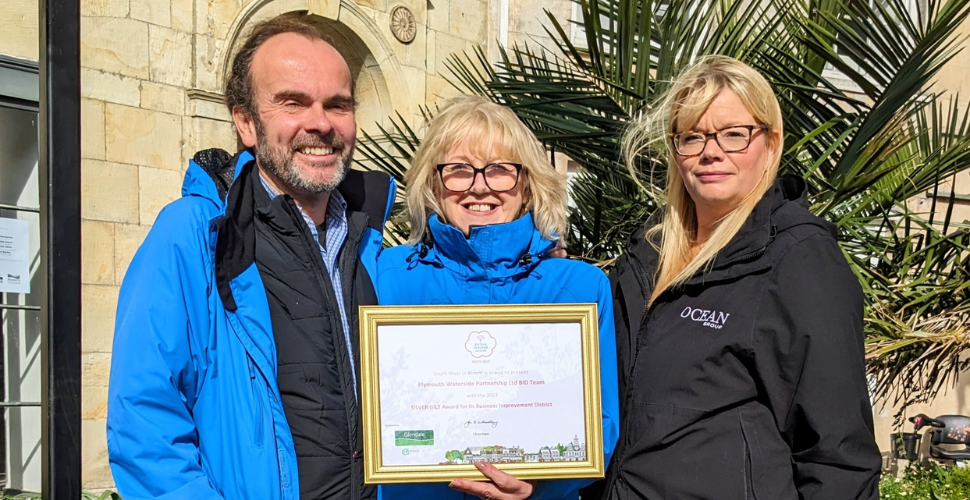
{"points": [[486, 128], [680, 109]]}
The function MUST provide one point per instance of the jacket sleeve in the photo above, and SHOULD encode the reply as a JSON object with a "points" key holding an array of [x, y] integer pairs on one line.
{"points": [[628, 307], [153, 446], [631, 285], [809, 357], [569, 489]]}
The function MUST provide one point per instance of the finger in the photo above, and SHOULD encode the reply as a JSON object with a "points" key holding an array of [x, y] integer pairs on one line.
{"points": [[476, 488], [504, 481]]}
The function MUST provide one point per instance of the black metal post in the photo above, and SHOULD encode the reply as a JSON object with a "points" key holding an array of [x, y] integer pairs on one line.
{"points": [[60, 195]]}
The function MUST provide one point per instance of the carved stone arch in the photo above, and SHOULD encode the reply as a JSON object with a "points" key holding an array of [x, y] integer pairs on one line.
{"points": [[377, 73]]}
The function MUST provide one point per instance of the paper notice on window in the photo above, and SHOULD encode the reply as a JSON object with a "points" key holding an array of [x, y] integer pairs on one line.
{"points": [[14, 256]]}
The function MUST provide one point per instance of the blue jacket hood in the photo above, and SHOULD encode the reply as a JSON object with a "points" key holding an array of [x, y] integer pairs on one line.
{"points": [[211, 172]]}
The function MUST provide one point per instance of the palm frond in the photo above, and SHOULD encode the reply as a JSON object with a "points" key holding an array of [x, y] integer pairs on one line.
{"points": [[391, 151], [864, 151]]}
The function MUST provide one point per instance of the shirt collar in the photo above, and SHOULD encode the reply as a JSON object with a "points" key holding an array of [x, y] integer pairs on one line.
{"points": [[336, 206]]}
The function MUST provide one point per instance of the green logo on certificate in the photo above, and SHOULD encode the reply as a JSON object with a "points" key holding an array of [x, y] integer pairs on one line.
{"points": [[413, 438]]}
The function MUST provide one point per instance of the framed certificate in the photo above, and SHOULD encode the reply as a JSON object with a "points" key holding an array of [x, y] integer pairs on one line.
{"points": [[444, 387]]}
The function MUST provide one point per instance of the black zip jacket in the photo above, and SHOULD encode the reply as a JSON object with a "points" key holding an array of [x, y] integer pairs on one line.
{"points": [[314, 372], [748, 381]]}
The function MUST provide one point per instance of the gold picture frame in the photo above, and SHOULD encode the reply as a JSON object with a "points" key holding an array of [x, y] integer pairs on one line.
{"points": [[574, 460]]}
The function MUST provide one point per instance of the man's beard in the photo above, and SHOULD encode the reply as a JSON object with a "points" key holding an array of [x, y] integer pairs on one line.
{"points": [[279, 161]]}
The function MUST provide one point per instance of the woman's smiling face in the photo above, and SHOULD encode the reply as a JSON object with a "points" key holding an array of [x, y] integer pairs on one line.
{"points": [[479, 205]]}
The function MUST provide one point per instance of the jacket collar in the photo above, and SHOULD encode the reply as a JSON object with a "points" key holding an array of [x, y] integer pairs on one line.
{"points": [[784, 206], [781, 208], [235, 180], [211, 172], [495, 249], [756, 232]]}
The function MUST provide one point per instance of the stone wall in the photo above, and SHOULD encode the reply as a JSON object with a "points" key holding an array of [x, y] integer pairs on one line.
{"points": [[19, 38], [136, 65], [955, 81], [528, 21]]}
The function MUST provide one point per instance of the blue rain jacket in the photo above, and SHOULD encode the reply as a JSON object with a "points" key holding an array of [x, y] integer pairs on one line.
{"points": [[500, 264], [194, 409]]}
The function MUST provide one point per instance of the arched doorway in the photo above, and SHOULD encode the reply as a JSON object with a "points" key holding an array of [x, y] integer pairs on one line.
{"points": [[373, 98], [372, 56]]}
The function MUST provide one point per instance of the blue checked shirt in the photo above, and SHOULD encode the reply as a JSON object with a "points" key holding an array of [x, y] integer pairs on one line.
{"points": [[335, 233]]}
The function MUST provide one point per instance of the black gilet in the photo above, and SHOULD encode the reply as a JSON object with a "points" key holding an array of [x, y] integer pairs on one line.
{"points": [[314, 371]]}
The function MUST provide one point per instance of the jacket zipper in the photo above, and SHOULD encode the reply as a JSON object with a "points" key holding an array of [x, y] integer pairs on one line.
{"points": [[753, 255], [745, 258], [614, 471], [356, 467], [318, 268], [641, 275]]}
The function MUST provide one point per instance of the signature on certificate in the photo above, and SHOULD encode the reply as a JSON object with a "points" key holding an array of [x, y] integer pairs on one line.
{"points": [[493, 423]]}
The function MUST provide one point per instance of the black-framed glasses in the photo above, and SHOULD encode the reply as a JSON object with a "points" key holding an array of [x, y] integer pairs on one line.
{"points": [[499, 177], [730, 139]]}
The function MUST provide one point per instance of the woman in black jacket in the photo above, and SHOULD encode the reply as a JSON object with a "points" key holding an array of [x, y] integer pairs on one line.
{"points": [[738, 319]]}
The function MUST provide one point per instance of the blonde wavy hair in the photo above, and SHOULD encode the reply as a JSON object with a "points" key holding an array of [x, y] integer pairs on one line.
{"points": [[681, 109], [490, 131]]}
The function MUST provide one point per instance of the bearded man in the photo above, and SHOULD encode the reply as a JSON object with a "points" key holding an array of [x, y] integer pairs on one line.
{"points": [[234, 372]]}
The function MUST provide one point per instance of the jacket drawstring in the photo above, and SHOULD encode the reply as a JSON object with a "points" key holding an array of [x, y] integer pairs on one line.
{"points": [[530, 261], [423, 247], [421, 251]]}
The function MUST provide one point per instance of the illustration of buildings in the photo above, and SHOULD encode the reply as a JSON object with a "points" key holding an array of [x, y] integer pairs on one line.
{"points": [[549, 454], [493, 454], [574, 451]]}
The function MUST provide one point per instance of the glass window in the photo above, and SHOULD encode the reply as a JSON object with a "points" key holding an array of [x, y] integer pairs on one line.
{"points": [[20, 319]]}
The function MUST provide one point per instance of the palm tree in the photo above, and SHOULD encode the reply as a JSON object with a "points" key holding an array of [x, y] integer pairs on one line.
{"points": [[865, 147]]}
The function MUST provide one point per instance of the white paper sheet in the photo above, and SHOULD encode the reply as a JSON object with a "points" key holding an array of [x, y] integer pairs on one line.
{"points": [[14, 255], [496, 392]]}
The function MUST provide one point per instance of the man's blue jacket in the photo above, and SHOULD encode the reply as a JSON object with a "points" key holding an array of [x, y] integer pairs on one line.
{"points": [[194, 407], [500, 264]]}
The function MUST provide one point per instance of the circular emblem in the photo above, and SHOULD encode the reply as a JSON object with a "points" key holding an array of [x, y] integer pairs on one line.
{"points": [[403, 25]]}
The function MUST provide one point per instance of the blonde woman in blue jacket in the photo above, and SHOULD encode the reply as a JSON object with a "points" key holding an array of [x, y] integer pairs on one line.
{"points": [[487, 211]]}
